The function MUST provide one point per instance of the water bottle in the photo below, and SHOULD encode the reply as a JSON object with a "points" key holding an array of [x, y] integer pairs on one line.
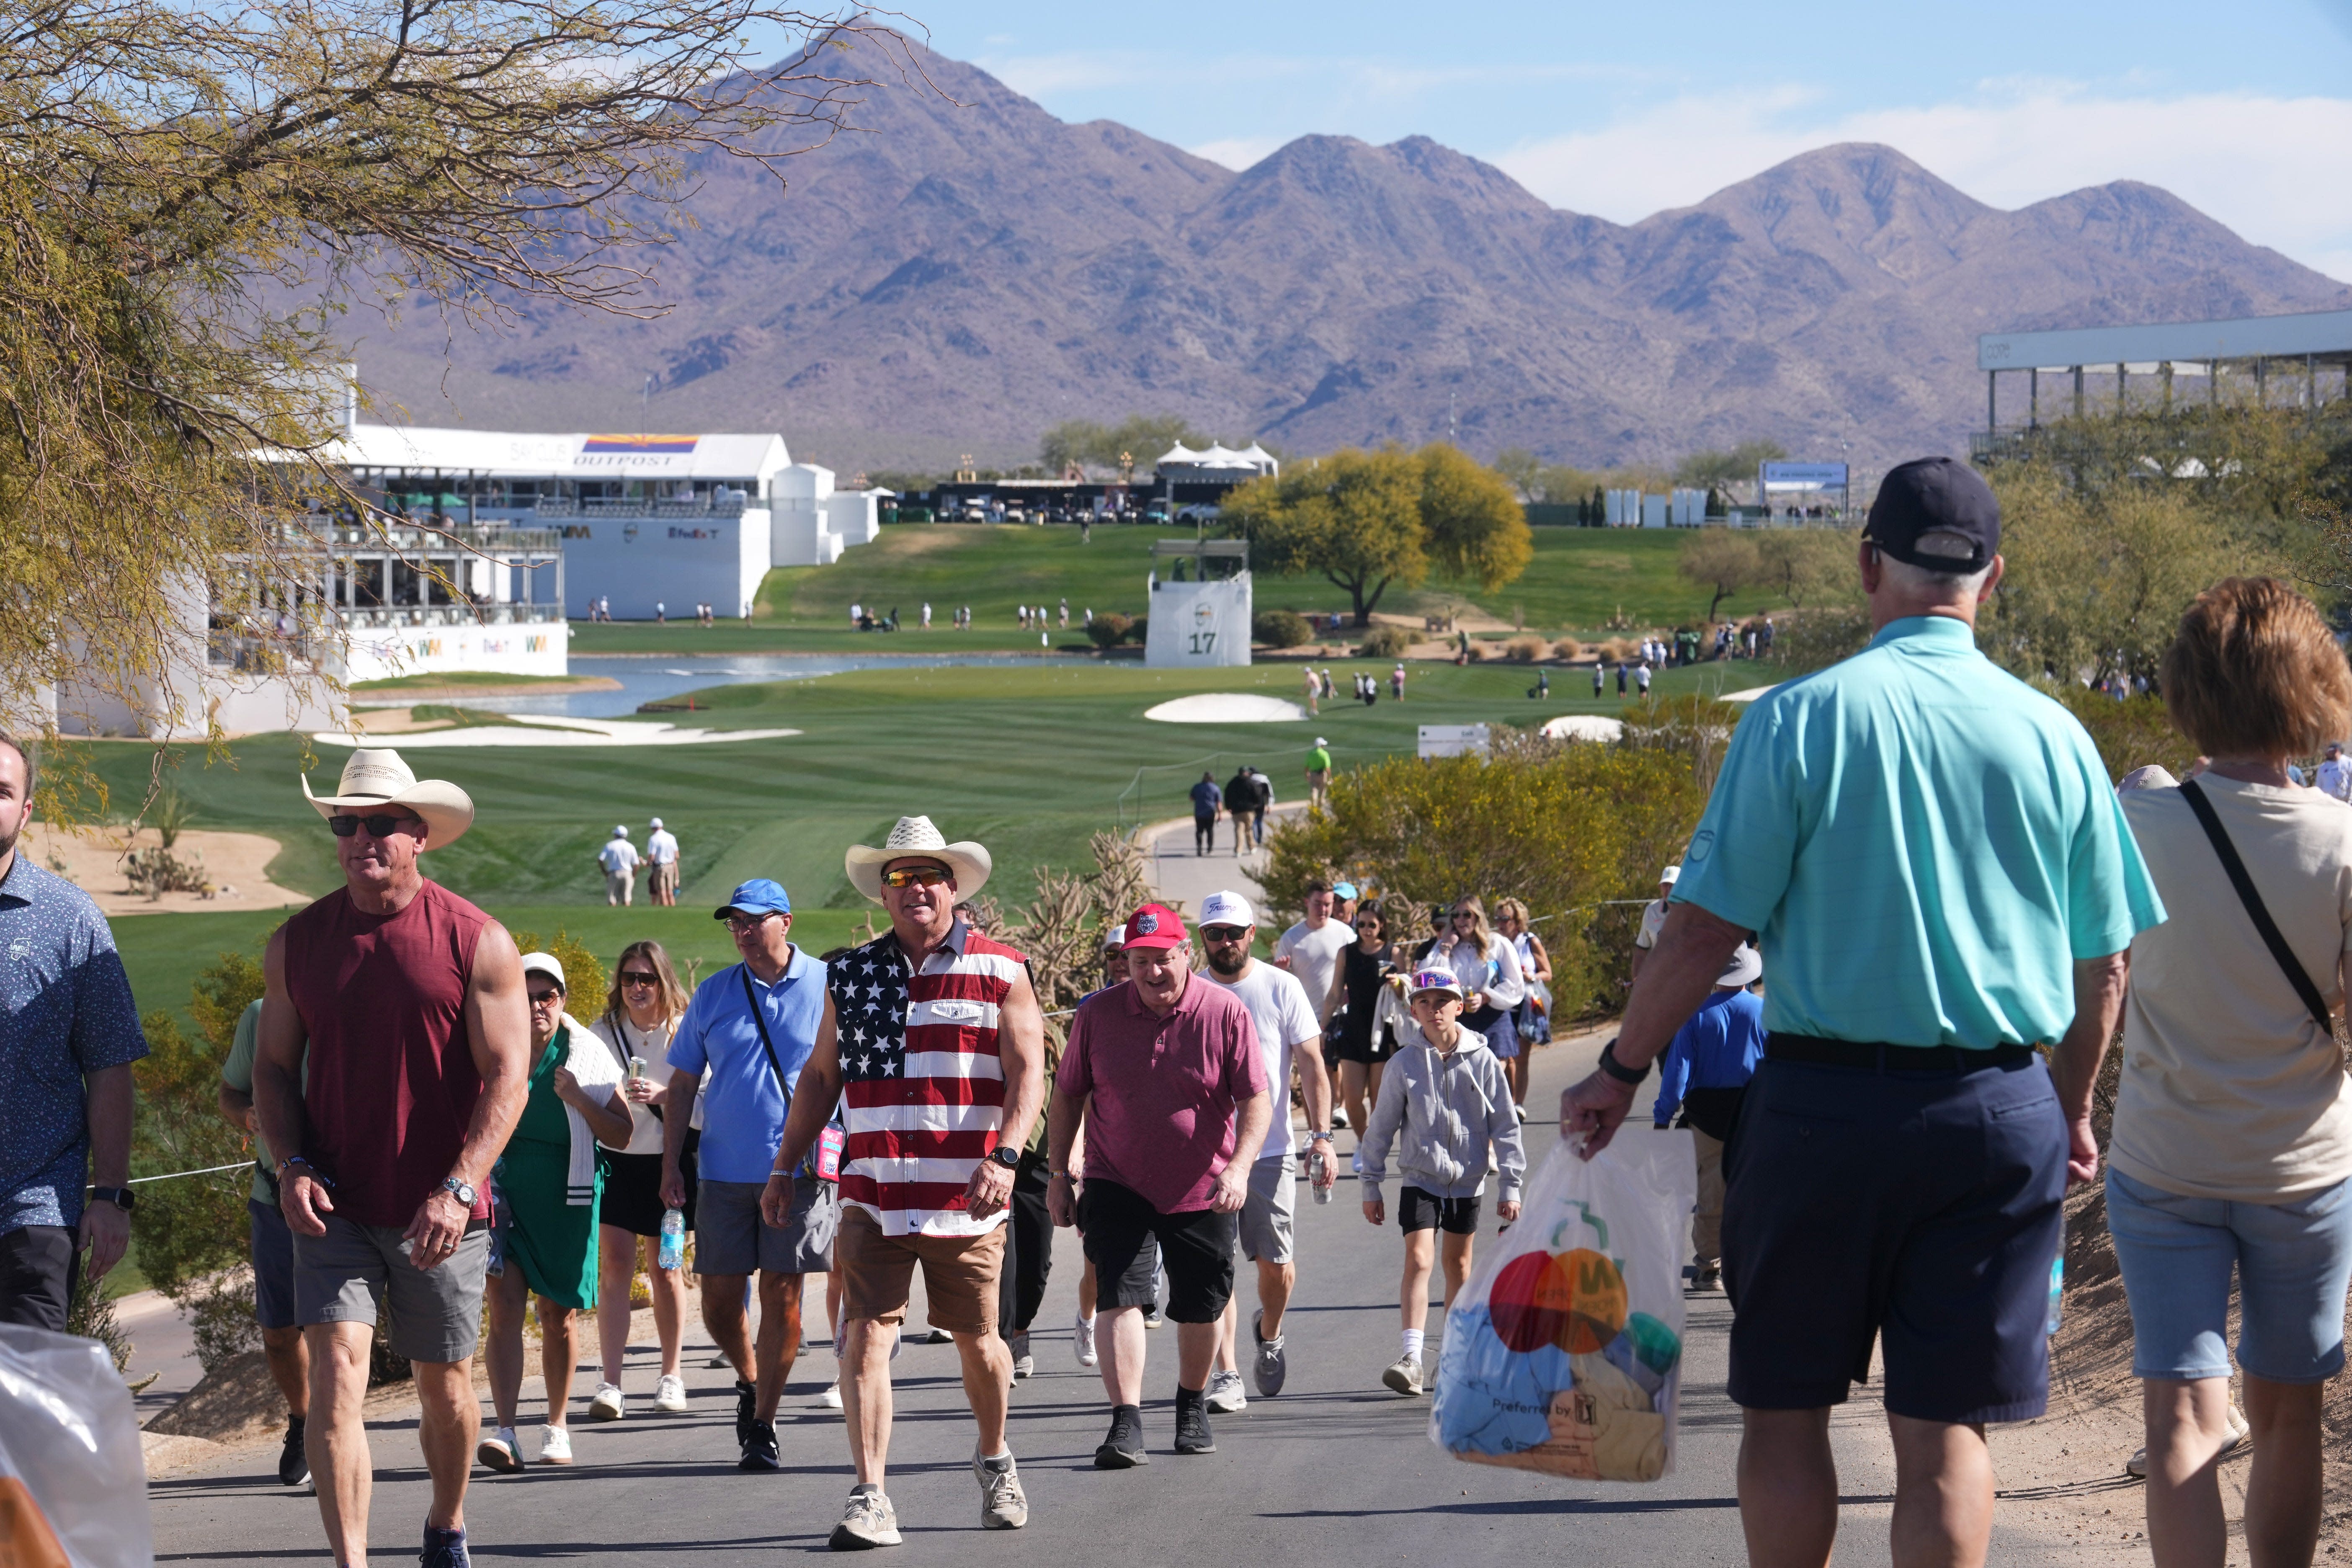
{"points": [[673, 1238], [1319, 1162], [2057, 1294]]}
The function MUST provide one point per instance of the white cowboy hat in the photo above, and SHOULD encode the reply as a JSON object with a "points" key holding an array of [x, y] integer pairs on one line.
{"points": [[380, 778], [916, 839]]}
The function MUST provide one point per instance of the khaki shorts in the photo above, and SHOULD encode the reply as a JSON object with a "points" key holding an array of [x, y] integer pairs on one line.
{"points": [[617, 884], [959, 1274], [664, 881], [436, 1313]]}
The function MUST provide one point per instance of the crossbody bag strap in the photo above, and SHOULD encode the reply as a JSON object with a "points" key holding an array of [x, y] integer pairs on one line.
{"points": [[2247, 896], [760, 1022]]}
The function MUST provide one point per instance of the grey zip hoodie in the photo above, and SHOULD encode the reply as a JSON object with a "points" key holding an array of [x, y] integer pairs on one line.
{"points": [[1441, 1111]]}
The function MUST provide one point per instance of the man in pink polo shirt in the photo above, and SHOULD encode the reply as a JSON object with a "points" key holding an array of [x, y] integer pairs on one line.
{"points": [[1166, 1074]]}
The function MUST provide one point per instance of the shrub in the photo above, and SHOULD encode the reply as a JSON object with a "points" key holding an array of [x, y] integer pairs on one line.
{"points": [[1386, 642], [1280, 628], [585, 980], [1568, 649], [1138, 631], [1527, 650], [1108, 630]]}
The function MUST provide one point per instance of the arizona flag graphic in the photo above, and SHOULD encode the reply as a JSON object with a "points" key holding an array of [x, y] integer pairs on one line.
{"points": [[640, 444]]}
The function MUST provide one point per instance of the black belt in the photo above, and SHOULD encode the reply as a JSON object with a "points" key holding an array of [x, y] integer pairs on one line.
{"points": [[1875, 1056]]}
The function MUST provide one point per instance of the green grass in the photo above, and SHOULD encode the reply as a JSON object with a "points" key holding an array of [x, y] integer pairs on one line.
{"points": [[1578, 580], [1027, 760]]}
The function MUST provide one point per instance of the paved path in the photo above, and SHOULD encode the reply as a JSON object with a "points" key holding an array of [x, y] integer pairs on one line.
{"points": [[1176, 872], [1337, 1470]]}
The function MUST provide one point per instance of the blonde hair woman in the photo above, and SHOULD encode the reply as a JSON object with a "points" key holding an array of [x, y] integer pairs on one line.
{"points": [[1488, 966], [641, 1011], [2232, 1142], [1532, 1021]]}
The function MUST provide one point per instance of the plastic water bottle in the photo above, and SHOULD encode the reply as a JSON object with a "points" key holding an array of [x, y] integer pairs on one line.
{"points": [[1318, 1164], [673, 1238], [2057, 1294]]}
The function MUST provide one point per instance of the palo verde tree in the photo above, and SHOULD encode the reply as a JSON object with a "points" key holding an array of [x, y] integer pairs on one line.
{"points": [[192, 197], [1367, 521]]}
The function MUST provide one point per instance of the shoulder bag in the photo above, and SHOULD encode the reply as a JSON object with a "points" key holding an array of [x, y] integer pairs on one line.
{"points": [[2245, 884], [823, 1161]]}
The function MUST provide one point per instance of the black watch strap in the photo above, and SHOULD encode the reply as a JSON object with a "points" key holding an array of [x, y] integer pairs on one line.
{"points": [[1006, 1156], [120, 1197], [1619, 1071]]}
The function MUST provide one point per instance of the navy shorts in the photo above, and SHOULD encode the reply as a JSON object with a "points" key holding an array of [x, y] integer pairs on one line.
{"points": [[1921, 1209]]}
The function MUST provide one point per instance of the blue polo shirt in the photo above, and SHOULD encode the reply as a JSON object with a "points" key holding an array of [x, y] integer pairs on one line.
{"points": [[64, 1010], [1923, 845], [1719, 1048], [743, 1109]]}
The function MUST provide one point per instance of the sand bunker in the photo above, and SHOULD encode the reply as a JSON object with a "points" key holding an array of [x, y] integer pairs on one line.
{"points": [[534, 730], [1226, 708], [1584, 727], [236, 864]]}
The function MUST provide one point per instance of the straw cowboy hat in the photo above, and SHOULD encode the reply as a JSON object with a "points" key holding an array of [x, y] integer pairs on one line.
{"points": [[916, 839], [380, 778]]}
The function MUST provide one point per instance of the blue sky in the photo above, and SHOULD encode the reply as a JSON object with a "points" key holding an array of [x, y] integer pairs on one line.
{"points": [[2244, 110]]}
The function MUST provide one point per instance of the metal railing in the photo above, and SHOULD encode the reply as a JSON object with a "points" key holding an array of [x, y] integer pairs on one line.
{"points": [[381, 618], [701, 506]]}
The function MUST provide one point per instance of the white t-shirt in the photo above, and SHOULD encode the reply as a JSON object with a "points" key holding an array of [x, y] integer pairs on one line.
{"points": [[2335, 778], [661, 849], [1653, 921], [1278, 1008], [2230, 1088], [622, 1040], [617, 856], [1314, 957]]}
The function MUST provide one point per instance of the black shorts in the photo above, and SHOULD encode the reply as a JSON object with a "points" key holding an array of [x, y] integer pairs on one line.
{"points": [[1374, 1046], [1125, 1239], [1919, 1209], [632, 1198], [1417, 1210]]}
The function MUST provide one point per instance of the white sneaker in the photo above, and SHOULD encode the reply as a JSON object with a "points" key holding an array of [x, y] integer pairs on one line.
{"points": [[1224, 1395], [1082, 1342], [554, 1446], [1403, 1374], [831, 1397], [607, 1404], [501, 1451], [669, 1394]]}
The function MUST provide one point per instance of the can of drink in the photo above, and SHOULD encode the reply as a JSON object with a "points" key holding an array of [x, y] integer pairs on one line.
{"points": [[1319, 1162], [636, 1067]]}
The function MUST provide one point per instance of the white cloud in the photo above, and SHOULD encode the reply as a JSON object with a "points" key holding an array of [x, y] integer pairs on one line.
{"points": [[2273, 169], [1236, 153]]}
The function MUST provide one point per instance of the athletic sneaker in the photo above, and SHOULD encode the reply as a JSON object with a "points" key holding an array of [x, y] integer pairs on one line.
{"points": [[1272, 1366], [1403, 1374], [747, 1411], [2241, 1432], [444, 1549], [1522, 1112], [1082, 1343], [501, 1451], [715, 1362], [1706, 1279], [1123, 1448], [554, 1446], [1224, 1393], [760, 1449], [870, 1522], [607, 1404], [1192, 1434], [1023, 1364], [1003, 1504], [669, 1393], [938, 1337], [831, 1397], [1339, 1116], [293, 1468], [1152, 1316]]}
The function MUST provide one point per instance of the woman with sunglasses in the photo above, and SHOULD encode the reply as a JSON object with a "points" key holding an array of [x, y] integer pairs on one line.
{"points": [[1487, 964], [1532, 1020], [1352, 1017], [641, 1011]]}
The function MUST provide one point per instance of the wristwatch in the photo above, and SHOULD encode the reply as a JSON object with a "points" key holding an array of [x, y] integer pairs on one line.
{"points": [[1318, 1138], [1006, 1156], [1619, 1071], [462, 1191], [120, 1197]]}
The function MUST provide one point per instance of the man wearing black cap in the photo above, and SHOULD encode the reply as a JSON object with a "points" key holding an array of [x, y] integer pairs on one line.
{"points": [[1939, 879]]}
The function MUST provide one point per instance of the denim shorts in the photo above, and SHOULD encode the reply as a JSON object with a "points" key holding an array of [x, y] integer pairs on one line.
{"points": [[2293, 1263]]}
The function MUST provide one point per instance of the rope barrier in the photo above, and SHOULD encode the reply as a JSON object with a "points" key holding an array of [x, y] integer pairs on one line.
{"points": [[207, 1170]]}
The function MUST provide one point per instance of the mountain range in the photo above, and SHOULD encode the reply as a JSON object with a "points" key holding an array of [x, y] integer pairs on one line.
{"points": [[968, 270]]}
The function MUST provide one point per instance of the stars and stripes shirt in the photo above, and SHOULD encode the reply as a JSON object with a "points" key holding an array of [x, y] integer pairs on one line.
{"points": [[922, 1084]]}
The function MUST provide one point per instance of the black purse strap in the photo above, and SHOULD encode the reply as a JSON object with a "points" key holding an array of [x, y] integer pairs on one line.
{"points": [[2245, 884], [760, 1022]]}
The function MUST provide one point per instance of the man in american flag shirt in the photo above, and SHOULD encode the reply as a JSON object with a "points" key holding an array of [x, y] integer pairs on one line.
{"points": [[934, 1046]]}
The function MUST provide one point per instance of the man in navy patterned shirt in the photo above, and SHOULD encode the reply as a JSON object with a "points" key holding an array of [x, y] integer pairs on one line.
{"points": [[69, 1034]]}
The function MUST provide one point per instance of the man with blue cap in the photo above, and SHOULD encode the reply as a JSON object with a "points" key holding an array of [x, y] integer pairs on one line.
{"points": [[751, 1027]]}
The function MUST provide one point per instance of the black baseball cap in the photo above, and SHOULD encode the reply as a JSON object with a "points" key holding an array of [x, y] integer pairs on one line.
{"points": [[1935, 495]]}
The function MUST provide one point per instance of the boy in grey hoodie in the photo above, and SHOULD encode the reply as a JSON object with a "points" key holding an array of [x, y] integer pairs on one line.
{"points": [[1442, 1103]]}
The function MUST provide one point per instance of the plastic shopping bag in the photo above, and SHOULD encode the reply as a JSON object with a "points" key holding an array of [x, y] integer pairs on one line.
{"points": [[73, 1481], [1564, 1351]]}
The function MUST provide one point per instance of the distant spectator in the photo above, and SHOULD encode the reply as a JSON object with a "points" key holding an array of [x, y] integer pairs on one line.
{"points": [[1705, 1075], [2336, 774], [1207, 801], [619, 859], [661, 854]]}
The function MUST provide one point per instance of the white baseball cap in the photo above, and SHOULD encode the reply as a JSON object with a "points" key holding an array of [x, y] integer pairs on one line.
{"points": [[1671, 874], [1321, 741], [1225, 910], [619, 831], [657, 822], [545, 963]]}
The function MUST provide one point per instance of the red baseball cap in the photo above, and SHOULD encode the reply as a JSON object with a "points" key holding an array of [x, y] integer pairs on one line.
{"points": [[1154, 925]]}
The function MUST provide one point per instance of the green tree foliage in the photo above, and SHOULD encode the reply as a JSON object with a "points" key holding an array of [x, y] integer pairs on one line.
{"points": [[1568, 827], [584, 980], [1142, 437], [1280, 628], [1720, 562], [1369, 520], [1556, 484], [1710, 470]]}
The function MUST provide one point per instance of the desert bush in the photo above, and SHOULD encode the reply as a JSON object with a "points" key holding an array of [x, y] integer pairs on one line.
{"points": [[1568, 649], [584, 980], [1527, 650], [1386, 642], [1280, 628], [1139, 629], [2129, 734], [155, 872], [1108, 630]]}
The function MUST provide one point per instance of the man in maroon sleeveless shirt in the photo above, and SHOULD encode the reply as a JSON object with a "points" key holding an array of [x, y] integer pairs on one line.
{"points": [[404, 1004]]}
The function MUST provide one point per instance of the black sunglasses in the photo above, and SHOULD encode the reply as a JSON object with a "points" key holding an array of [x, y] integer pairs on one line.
{"points": [[638, 977], [383, 825]]}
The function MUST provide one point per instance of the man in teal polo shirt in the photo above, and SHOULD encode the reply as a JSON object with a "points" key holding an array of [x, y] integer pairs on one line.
{"points": [[1939, 879]]}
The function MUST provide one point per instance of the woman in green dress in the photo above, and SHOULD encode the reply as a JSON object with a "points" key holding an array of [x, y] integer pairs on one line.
{"points": [[547, 1184]]}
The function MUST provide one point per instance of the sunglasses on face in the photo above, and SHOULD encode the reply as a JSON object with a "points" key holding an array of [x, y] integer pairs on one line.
{"points": [[1224, 933], [634, 979], [1464, 915], [914, 877], [382, 825], [545, 998]]}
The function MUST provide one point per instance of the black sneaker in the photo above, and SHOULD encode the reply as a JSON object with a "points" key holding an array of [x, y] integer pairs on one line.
{"points": [[293, 1468], [444, 1549], [1192, 1435], [1123, 1448], [760, 1449], [747, 1410]]}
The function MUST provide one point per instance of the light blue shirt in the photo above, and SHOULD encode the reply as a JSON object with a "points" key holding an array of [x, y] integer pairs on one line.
{"points": [[1923, 844], [742, 1108]]}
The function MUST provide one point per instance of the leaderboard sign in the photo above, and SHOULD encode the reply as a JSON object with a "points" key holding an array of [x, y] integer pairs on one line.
{"points": [[1800, 477]]}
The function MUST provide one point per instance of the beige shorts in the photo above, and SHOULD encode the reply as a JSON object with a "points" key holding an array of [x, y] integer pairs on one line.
{"points": [[877, 1273], [664, 881], [618, 883]]}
